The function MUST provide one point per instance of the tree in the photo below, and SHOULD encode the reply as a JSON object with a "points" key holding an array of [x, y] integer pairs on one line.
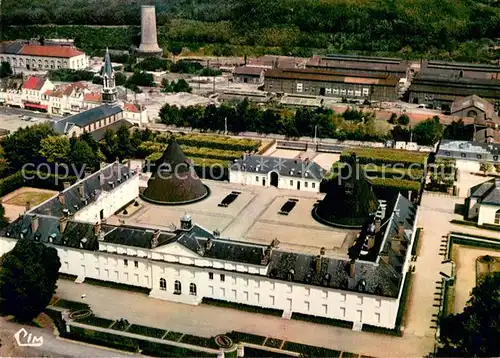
{"points": [[141, 78], [82, 155], [175, 48], [429, 131], [404, 120], [55, 149], [23, 146], [124, 146], [393, 119], [3, 220], [485, 167], [5, 69], [109, 145], [28, 276], [457, 130], [120, 78], [475, 331], [181, 86]]}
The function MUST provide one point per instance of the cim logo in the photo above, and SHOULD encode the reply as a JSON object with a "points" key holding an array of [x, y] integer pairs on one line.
{"points": [[25, 339]]}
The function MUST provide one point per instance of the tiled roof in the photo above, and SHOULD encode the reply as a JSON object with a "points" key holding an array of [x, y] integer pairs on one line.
{"points": [[284, 166], [34, 83], [132, 107], [92, 97], [11, 48], [489, 192], [50, 51], [248, 71], [486, 135], [49, 93]]}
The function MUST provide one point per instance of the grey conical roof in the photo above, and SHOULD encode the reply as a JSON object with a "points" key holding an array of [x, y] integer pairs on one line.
{"points": [[349, 200], [175, 180]]}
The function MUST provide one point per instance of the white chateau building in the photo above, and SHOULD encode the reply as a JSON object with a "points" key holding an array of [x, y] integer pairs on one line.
{"points": [[191, 263], [483, 202], [283, 173]]}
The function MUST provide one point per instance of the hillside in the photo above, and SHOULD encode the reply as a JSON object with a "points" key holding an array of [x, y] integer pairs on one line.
{"points": [[458, 29]]}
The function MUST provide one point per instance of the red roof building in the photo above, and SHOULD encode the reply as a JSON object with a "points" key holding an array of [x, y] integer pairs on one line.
{"points": [[34, 83], [50, 51]]}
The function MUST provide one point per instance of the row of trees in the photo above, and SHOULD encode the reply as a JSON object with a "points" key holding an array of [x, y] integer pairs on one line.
{"points": [[325, 123]]}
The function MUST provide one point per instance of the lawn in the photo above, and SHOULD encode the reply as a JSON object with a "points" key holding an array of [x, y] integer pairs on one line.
{"points": [[34, 197]]}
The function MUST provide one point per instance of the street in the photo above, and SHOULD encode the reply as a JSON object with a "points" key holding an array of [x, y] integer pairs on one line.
{"points": [[10, 118], [52, 346]]}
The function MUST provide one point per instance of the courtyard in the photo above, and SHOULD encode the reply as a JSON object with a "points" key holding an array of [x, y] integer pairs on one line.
{"points": [[253, 217], [15, 202]]}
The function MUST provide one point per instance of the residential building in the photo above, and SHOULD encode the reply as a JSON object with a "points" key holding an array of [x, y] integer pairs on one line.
{"points": [[11, 92], [189, 263], [135, 113], [483, 202], [34, 93], [246, 74], [328, 83], [482, 111], [282, 173], [487, 135], [469, 155], [25, 55], [362, 65]]}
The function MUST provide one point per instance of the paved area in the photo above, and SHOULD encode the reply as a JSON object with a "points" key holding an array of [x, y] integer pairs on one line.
{"points": [[208, 321], [465, 261], [252, 217], [435, 214], [10, 118], [467, 180], [325, 160], [286, 153], [52, 346]]}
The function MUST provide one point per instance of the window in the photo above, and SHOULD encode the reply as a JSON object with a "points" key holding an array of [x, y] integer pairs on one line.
{"points": [[256, 297], [306, 184], [350, 92], [233, 294], [245, 296], [324, 309], [342, 297], [495, 158], [222, 277], [360, 300], [377, 317], [335, 91], [245, 281], [125, 262], [288, 288], [313, 185], [136, 264], [192, 289], [359, 315], [343, 91], [463, 155], [233, 280], [211, 290], [447, 154], [479, 156], [306, 306], [177, 288], [271, 298], [325, 294], [357, 93], [291, 182], [257, 178], [378, 302], [307, 291], [163, 284], [299, 87], [366, 91], [222, 292], [497, 217], [328, 91], [210, 275], [273, 286], [257, 284], [342, 312]]}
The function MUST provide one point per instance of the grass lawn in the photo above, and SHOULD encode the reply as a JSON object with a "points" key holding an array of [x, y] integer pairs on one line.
{"points": [[34, 197]]}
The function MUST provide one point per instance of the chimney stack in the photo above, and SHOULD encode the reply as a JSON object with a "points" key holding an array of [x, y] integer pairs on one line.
{"points": [[149, 41], [156, 236], [352, 268], [63, 222], [81, 191], [34, 223]]}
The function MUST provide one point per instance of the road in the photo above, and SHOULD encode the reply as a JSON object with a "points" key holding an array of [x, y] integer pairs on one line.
{"points": [[10, 118], [52, 346]]}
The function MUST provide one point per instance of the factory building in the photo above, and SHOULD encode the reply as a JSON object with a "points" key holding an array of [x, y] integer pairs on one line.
{"points": [[316, 82]]}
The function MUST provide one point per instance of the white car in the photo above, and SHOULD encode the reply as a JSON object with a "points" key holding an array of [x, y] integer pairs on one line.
{"points": [[34, 119]]}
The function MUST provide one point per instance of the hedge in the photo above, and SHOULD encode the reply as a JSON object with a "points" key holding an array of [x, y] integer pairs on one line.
{"points": [[173, 336], [154, 349], [322, 320], [72, 305], [95, 321], [243, 307], [199, 341], [201, 162], [274, 343], [310, 351], [104, 339], [415, 242], [380, 156], [146, 331], [215, 142], [401, 185], [246, 337]]}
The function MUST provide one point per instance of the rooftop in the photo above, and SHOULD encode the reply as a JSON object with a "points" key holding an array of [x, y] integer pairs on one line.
{"points": [[34, 83], [474, 101], [90, 116], [489, 192], [248, 71], [50, 51], [283, 166]]}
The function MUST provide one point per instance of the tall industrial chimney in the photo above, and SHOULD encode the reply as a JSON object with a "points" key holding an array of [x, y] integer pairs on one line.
{"points": [[149, 42]]}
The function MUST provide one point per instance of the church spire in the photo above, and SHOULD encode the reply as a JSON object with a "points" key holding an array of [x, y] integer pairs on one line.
{"points": [[109, 93]]}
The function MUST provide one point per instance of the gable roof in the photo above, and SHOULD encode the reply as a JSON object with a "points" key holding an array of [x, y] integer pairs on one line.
{"points": [[474, 101], [248, 71], [50, 51], [132, 107], [488, 192], [93, 115], [92, 97], [34, 83]]}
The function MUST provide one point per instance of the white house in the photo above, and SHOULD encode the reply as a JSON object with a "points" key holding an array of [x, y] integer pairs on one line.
{"points": [[483, 202], [282, 173], [190, 263], [135, 113], [34, 93]]}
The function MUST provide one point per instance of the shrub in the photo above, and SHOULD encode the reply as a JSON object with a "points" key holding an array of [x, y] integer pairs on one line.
{"points": [[243, 307], [71, 305], [215, 142], [199, 341], [322, 320], [146, 331], [274, 343], [310, 351], [104, 339], [173, 336]]}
